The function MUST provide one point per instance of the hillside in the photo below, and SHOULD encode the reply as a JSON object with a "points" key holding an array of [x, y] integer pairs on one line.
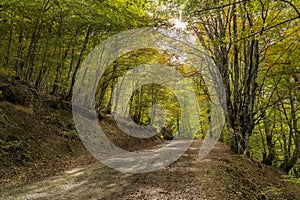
{"points": [[38, 137]]}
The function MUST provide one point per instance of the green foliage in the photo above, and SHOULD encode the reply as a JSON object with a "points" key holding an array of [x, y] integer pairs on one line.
{"points": [[291, 179], [43, 39]]}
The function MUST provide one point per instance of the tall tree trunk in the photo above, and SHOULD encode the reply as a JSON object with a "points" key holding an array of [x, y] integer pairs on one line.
{"points": [[86, 40], [32, 50], [72, 56], [9, 46], [61, 63], [113, 82], [269, 139], [19, 55], [45, 59], [287, 166]]}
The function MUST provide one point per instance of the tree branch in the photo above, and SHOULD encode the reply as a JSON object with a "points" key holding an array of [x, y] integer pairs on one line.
{"points": [[218, 7], [291, 4], [268, 28]]}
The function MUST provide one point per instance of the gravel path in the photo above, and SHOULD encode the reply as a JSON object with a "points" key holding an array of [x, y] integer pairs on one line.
{"points": [[218, 176]]}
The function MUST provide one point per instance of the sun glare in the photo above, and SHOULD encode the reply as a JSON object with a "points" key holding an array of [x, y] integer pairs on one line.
{"points": [[179, 24]]}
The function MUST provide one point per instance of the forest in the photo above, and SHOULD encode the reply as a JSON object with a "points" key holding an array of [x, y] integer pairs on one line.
{"points": [[253, 43]]}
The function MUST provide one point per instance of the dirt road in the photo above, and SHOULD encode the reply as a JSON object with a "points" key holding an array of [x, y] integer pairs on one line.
{"points": [[220, 175]]}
